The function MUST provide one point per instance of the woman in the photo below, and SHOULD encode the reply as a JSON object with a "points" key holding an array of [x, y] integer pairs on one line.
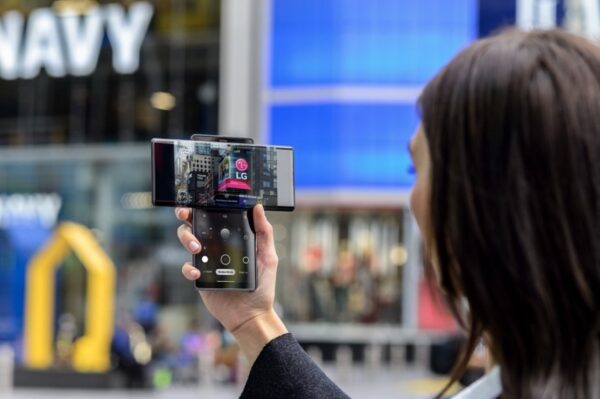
{"points": [[507, 197]]}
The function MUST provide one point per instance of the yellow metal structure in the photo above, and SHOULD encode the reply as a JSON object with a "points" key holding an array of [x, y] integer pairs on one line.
{"points": [[91, 352]]}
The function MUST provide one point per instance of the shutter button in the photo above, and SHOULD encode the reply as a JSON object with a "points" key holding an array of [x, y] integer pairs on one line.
{"points": [[225, 260]]}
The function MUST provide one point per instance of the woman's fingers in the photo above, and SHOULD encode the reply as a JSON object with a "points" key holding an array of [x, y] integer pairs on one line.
{"points": [[190, 272], [184, 214], [187, 239], [265, 244]]}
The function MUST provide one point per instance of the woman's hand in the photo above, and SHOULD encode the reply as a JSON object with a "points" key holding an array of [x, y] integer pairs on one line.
{"points": [[249, 316]]}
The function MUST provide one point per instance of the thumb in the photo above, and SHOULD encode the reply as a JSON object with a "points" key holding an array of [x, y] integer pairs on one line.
{"points": [[265, 244]]}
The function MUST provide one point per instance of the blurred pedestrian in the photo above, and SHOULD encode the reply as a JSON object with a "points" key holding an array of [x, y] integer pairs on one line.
{"points": [[342, 277]]}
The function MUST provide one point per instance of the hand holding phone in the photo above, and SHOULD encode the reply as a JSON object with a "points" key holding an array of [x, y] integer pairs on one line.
{"points": [[249, 316], [222, 178]]}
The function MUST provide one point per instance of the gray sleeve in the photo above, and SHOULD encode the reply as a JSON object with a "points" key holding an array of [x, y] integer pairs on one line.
{"points": [[284, 370]]}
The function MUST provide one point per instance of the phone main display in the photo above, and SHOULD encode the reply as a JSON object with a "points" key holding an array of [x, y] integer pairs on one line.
{"points": [[222, 175]]}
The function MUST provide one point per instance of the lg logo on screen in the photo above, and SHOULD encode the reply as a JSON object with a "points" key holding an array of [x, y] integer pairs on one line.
{"points": [[69, 43], [241, 166]]}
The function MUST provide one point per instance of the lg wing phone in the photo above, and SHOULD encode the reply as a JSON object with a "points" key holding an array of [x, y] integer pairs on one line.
{"points": [[222, 175]]}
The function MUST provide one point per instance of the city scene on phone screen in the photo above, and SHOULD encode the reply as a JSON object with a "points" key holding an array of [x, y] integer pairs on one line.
{"points": [[221, 174]]}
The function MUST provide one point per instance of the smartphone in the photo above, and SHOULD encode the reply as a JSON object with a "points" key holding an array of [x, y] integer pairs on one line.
{"points": [[222, 175], [228, 257], [227, 260]]}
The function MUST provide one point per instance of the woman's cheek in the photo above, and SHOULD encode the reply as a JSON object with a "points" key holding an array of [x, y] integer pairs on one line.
{"points": [[418, 205]]}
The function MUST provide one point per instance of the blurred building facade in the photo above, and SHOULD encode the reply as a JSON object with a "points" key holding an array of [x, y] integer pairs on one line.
{"points": [[85, 84]]}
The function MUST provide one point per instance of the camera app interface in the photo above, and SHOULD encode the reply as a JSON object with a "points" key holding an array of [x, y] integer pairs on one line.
{"points": [[227, 256]]}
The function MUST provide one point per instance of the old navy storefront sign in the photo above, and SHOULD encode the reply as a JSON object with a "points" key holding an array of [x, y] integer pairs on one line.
{"points": [[68, 43]]}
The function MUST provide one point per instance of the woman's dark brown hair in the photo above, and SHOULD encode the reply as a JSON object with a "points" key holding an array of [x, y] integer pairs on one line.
{"points": [[513, 127]]}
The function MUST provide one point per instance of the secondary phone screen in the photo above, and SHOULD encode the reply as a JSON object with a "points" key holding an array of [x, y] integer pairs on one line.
{"points": [[222, 175]]}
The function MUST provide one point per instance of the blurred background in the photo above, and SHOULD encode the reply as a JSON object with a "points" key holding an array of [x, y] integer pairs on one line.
{"points": [[84, 86]]}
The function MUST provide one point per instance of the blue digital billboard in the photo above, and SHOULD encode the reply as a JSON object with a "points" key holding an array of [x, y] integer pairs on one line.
{"points": [[392, 42], [379, 45], [348, 145]]}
